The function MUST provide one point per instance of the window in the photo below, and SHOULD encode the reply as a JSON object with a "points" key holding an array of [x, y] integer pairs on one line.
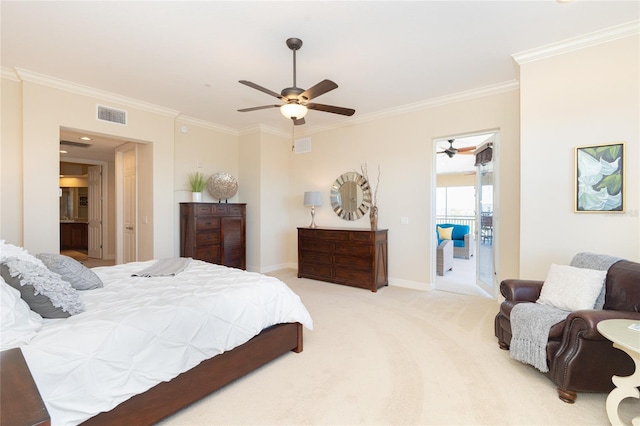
{"points": [[455, 201]]}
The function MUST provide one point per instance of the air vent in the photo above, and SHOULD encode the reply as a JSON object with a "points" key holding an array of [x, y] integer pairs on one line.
{"points": [[302, 145], [112, 115], [75, 144]]}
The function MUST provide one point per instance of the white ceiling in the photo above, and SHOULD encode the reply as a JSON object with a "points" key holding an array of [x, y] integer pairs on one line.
{"points": [[188, 56]]}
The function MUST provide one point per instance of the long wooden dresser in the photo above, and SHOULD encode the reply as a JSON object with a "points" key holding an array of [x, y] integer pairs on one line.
{"points": [[214, 232], [353, 257]]}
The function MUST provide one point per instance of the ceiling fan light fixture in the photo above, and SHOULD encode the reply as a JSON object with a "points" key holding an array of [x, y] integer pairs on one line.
{"points": [[293, 110]]}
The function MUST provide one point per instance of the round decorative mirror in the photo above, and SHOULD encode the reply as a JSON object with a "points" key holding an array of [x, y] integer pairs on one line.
{"points": [[351, 196]]}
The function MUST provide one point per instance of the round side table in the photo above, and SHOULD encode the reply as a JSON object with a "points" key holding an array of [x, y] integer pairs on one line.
{"points": [[627, 340]]}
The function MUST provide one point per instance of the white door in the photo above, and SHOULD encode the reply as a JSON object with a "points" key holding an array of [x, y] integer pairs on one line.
{"points": [[129, 206], [484, 226], [95, 212]]}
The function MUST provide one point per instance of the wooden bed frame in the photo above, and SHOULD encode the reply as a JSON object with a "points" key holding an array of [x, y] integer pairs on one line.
{"points": [[21, 404]]}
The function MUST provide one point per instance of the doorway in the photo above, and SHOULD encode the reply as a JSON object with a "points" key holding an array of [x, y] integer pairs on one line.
{"points": [[88, 150], [81, 208], [464, 194]]}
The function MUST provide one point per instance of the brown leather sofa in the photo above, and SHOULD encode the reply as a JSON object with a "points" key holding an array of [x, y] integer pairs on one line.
{"points": [[579, 358]]}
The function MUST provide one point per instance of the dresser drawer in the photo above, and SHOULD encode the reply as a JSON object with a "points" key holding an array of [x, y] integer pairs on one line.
{"points": [[313, 270], [309, 244], [207, 222], [203, 209], [315, 257], [353, 262], [362, 236], [353, 276], [323, 234], [209, 254], [207, 237], [353, 249], [236, 210]]}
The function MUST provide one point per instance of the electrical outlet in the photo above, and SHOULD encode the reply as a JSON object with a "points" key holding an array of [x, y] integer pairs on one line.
{"points": [[404, 220]]}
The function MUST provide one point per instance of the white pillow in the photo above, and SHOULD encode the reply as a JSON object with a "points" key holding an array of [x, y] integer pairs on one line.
{"points": [[18, 323], [571, 289], [9, 250]]}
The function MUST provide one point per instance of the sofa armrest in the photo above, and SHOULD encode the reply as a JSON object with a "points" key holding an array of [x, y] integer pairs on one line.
{"points": [[521, 290], [588, 320]]}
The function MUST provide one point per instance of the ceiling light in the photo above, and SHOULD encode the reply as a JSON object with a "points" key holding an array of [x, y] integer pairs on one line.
{"points": [[62, 151], [293, 110], [85, 138]]}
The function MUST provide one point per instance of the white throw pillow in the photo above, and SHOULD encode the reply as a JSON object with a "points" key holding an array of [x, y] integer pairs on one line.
{"points": [[571, 289], [18, 323], [9, 250]]}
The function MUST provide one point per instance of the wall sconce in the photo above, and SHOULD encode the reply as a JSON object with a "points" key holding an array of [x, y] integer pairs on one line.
{"points": [[312, 199], [293, 110]]}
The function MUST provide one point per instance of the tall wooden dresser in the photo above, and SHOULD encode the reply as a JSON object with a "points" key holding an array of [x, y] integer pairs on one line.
{"points": [[214, 232], [353, 257]]}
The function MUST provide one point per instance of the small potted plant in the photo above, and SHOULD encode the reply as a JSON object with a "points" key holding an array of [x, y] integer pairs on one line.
{"points": [[197, 182]]}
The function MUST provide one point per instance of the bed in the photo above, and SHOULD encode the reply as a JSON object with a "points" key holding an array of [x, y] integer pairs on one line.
{"points": [[145, 347]]}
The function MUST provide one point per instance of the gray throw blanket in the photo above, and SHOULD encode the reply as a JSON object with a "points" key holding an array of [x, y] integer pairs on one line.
{"points": [[531, 322], [165, 268]]}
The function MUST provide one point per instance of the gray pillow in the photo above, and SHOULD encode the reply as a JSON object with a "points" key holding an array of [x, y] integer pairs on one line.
{"points": [[75, 273], [39, 303]]}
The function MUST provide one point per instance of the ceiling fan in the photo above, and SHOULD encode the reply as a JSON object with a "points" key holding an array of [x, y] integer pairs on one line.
{"points": [[297, 100], [451, 151]]}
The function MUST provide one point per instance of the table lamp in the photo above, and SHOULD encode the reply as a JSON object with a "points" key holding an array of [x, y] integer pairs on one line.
{"points": [[312, 199]]}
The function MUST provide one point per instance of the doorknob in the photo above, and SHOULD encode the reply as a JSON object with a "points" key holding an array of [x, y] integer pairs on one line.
{"points": [[130, 228]]}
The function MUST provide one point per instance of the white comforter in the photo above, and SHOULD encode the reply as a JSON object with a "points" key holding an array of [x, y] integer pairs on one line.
{"points": [[137, 332]]}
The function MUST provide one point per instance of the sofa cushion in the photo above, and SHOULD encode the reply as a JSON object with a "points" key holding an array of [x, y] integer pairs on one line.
{"points": [[445, 233], [571, 289], [459, 231]]}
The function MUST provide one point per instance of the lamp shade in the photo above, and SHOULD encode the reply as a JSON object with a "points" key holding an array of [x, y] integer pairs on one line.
{"points": [[293, 110], [312, 198]]}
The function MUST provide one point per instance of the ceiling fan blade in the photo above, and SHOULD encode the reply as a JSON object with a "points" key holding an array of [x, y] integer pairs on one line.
{"points": [[319, 89], [262, 89], [333, 109], [257, 108], [298, 121], [466, 149]]}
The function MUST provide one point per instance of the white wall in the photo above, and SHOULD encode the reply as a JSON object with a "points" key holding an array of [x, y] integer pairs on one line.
{"points": [[11, 176], [585, 97], [250, 182]]}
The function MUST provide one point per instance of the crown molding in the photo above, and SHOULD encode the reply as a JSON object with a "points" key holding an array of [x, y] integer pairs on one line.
{"points": [[580, 42], [261, 128], [45, 80], [207, 125], [9, 74], [422, 105]]}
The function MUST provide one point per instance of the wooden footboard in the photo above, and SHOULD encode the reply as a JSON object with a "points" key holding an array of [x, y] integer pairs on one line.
{"points": [[20, 401], [165, 398]]}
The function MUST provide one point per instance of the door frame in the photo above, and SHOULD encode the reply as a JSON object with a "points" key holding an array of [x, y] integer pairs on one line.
{"points": [[493, 291], [105, 195]]}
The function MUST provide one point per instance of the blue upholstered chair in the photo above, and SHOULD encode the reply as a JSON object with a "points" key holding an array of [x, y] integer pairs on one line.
{"points": [[464, 243]]}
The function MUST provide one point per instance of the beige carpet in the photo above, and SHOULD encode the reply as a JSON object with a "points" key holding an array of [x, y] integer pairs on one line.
{"points": [[396, 357]]}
